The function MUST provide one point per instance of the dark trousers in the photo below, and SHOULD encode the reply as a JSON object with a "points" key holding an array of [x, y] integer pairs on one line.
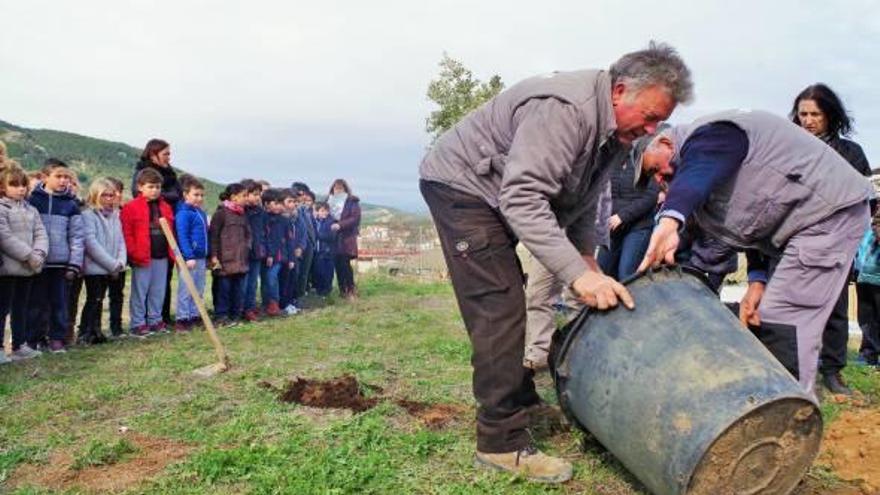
{"points": [[322, 270], [487, 278], [835, 336], [303, 271], [627, 250], [230, 296], [90, 320], [344, 274], [285, 292], [48, 306], [166, 304], [14, 299], [869, 321], [116, 291]]}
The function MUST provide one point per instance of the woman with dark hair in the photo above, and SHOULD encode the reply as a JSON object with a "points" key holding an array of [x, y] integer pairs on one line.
{"points": [[819, 110], [345, 208], [157, 156]]}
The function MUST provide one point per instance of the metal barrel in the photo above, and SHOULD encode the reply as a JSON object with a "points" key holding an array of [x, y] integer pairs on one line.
{"points": [[686, 398]]}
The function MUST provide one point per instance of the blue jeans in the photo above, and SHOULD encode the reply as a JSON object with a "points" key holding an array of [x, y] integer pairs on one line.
{"points": [[148, 293], [250, 293], [626, 253], [230, 296], [14, 301], [323, 273], [269, 282], [186, 305]]}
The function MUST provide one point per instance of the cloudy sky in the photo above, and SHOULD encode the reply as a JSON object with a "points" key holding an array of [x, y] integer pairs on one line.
{"points": [[311, 91]]}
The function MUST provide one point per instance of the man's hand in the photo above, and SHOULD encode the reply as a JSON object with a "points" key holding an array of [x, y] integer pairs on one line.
{"points": [[71, 274], [664, 242], [269, 262], [335, 227], [748, 307], [614, 222], [601, 291], [191, 264], [291, 265]]}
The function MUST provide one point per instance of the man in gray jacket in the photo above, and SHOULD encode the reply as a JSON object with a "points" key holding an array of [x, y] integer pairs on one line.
{"points": [[761, 184], [529, 166]]}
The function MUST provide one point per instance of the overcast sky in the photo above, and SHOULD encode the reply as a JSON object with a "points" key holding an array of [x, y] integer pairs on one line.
{"points": [[294, 90]]}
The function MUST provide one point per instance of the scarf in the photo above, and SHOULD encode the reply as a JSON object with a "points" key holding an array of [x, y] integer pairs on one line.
{"points": [[337, 203], [233, 207]]}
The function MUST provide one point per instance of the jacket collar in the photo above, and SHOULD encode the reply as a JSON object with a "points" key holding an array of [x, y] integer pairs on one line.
{"points": [[607, 122]]}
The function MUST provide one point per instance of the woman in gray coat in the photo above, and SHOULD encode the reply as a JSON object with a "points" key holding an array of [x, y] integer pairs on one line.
{"points": [[23, 248], [105, 256]]}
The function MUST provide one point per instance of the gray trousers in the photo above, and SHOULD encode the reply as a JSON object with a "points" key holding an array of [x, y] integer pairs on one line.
{"points": [[541, 292], [147, 293], [807, 281]]}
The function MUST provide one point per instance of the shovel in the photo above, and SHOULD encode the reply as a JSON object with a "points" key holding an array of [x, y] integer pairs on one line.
{"points": [[222, 363]]}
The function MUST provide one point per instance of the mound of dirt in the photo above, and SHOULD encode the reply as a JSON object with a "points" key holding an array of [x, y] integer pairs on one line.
{"points": [[343, 392], [152, 457], [434, 416], [850, 448]]}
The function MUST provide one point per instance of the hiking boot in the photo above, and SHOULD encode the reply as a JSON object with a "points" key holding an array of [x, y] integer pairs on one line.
{"points": [[24, 352], [57, 347], [272, 309], [141, 332], [835, 384], [251, 316], [530, 462]]}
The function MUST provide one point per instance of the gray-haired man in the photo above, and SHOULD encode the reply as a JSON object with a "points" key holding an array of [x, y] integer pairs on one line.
{"points": [[529, 166], [759, 183]]}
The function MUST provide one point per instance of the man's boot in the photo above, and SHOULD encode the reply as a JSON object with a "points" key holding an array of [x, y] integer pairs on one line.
{"points": [[835, 384], [529, 462]]}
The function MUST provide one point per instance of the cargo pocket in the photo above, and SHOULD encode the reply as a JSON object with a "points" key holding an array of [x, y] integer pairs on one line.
{"points": [[812, 286], [478, 265], [781, 341]]}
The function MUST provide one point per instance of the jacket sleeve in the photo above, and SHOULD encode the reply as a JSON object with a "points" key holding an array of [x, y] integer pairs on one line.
{"points": [[121, 251], [640, 205], [214, 233], [76, 239], [94, 248], [13, 246], [258, 236], [183, 224], [591, 229], [41, 237], [127, 228], [548, 138], [349, 223]]}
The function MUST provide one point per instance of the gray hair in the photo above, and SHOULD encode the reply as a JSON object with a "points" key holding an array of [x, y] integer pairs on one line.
{"points": [[657, 65]]}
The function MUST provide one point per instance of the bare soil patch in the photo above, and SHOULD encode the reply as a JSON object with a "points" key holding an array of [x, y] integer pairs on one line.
{"points": [[343, 392], [434, 416], [152, 457], [850, 448]]}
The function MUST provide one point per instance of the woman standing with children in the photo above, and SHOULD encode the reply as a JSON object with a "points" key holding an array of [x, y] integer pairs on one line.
{"points": [[345, 208]]}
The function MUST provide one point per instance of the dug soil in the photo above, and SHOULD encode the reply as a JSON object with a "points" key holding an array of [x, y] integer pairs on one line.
{"points": [[433, 416], [343, 392], [153, 455], [850, 448]]}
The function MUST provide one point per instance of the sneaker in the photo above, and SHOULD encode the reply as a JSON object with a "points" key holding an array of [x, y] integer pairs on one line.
{"points": [[866, 361], [141, 332], [251, 316], [57, 347], [272, 309], [158, 328], [225, 323], [24, 352], [835, 384], [529, 462], [291, 310], [194, 323], [181, 326]]}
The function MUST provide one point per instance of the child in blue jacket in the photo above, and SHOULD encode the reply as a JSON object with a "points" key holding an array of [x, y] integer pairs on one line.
{"points": [[192, 236], [279, 251], [325, 250]]}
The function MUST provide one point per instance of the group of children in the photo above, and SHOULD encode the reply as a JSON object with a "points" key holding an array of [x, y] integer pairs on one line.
{"points": [[52, 243]]}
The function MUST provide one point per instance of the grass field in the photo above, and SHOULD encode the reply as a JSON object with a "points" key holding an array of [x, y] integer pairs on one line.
{"points": [[131, 417]]}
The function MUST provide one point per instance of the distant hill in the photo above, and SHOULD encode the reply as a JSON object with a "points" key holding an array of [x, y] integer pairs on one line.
{"points": [[91, 157], [88, 157]]}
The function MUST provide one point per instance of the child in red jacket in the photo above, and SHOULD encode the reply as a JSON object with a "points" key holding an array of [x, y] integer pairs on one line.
{"points": [[148, 253]]}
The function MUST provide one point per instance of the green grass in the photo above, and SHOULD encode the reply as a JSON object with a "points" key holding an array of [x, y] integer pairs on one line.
{"points": [[405, 337]]}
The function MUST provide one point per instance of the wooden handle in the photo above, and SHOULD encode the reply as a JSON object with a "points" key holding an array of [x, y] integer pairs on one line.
{"points": [[183, 271]]}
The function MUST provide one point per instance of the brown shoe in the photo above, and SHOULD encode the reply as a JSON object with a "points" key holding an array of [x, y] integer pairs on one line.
{"points": [[272, 309], [529, 462], [251, 316]]}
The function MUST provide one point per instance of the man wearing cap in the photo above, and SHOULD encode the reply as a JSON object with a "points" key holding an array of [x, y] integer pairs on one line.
{"points": [[763, 185], [528, 166], [623, 231]]}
